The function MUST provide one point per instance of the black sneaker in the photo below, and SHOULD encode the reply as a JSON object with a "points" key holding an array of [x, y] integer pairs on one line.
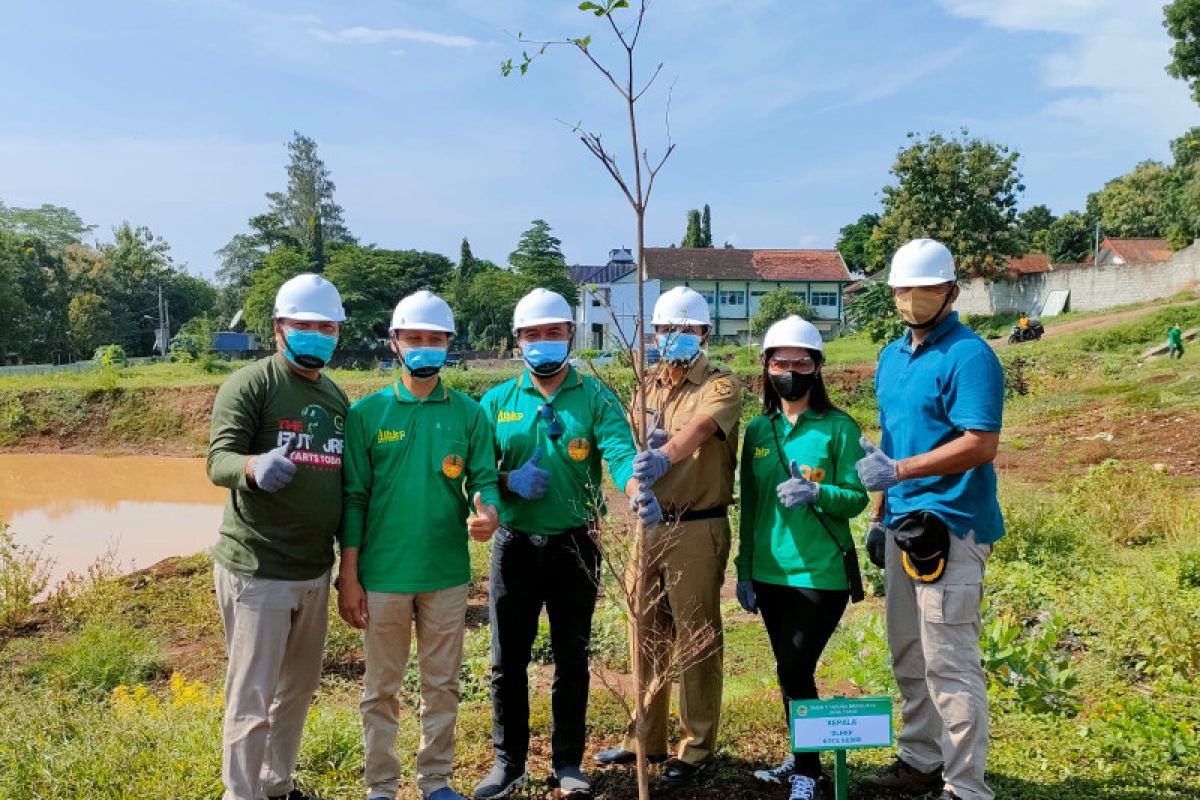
{"points": [[805, 788], [678, 771], [948, 795], [501, 782], [294, 794], [902, 778], [779, 774], [620, 757]]}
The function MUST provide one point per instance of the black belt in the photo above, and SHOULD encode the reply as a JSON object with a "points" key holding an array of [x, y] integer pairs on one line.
{"points": [[691, 514]]}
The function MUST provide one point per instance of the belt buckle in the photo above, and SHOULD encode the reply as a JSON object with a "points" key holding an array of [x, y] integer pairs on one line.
{"points": [[537, 539]]}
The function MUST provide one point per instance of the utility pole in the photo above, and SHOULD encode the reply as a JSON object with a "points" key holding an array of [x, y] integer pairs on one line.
{"points": [[1096, 252], [162, 316]]}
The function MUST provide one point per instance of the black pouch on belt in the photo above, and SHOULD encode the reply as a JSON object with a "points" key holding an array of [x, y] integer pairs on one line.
{"points": [[924, 542]]}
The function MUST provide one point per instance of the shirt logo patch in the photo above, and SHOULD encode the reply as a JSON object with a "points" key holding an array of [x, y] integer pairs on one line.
{"points": [[510, 416], [385, 437], [578, 449], [762, 452], [452, 466], [722, 387]]}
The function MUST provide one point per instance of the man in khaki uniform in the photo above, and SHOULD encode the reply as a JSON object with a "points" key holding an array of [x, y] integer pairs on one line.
{"points": [[693, 407]]}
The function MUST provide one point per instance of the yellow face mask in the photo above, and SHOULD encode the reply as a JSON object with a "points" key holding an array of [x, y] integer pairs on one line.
{"points": [[922, 305]]}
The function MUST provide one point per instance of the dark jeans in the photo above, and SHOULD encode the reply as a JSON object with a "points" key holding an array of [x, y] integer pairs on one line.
{"points": [[799, 623], [561, 572]]}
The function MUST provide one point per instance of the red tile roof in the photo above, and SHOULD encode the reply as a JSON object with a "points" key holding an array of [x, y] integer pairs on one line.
{"points": [[1029, 264], [1139, 251], [737, 264]]}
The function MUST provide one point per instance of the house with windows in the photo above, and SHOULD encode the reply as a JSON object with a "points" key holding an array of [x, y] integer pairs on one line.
{"points": [[733, 280]]}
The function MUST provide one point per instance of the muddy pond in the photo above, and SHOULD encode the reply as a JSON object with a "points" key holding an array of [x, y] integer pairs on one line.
{"points": [[137, 509]]}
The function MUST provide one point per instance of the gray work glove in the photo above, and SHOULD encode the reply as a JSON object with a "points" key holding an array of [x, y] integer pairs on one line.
{"points": [[797, 490], [876, 471], [647, 507], [650, 465], [745, 596], [275, 469], [656, 438]]}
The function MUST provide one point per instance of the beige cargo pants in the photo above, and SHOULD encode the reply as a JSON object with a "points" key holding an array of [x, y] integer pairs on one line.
{"points": [[440, 619], [274, 637], [688, 561], [933, 634]]}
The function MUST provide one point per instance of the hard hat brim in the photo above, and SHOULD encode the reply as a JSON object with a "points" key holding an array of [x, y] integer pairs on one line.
{"points": [[911, 283], [311, 316], [532, 323], [681, 321], [421, 326]]}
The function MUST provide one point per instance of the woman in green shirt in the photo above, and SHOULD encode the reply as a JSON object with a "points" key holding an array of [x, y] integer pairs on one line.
{"points": [[799, 490]]}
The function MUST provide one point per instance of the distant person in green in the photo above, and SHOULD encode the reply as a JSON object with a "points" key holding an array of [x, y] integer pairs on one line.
{"points": [[1175, 342], [420, 476], [799, 490], [276, 444], [554, 427]]}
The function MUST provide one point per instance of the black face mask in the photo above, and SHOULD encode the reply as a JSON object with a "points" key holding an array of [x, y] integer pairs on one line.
{"points": [[793, 385]]}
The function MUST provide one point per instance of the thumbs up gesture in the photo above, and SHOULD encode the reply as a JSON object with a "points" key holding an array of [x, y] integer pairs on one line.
{"points": [[483, 523], [797, 490], [530, 481], [876, 471], [275, 469]]}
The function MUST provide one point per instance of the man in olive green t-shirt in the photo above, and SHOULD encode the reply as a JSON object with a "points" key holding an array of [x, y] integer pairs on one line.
{"points": [[276, 444], [419, 458]]}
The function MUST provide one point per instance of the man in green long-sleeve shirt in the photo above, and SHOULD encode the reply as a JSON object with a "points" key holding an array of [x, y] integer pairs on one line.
{"points": [[276, 444], [1175, 342], [419, 460]]}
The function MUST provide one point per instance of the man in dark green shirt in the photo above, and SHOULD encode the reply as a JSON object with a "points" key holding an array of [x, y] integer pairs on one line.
{"points": [[552, 426], [419, 458], [276, 444]]}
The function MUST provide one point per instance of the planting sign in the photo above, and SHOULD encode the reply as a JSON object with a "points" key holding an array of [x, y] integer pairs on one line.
{"points": [[841, 723]]}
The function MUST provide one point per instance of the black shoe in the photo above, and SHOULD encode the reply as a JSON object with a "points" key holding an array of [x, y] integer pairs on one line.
{"points": [[948, 795], [620, 757], [902, 778], [501, 782], [682, 772], [294, 794]]}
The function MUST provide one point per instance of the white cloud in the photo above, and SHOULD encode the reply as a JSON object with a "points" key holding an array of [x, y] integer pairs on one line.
{"points": [[1108, 58], [361, 34], [896, 79]]}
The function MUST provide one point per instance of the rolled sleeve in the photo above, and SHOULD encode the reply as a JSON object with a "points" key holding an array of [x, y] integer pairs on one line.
{"points": [[975, 400], [721, 401]]}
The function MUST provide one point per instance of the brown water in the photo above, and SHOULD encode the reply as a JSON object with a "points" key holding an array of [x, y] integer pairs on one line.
{"points": [[76, 508]]}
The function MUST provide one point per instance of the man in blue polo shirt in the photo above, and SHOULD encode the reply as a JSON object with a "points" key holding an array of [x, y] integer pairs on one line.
{"points": [[941, 399]]}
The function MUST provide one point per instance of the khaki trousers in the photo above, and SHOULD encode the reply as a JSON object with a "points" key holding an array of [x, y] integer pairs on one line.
{"points": [[274, 637], [933, 634], [682, 608], [440, 618]]}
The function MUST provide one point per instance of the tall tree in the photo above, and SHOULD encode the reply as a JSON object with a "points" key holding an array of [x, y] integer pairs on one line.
{"points": [[1069, 239], [854, 243], [694, 236], [539, 259], [54, 225], [1181, 18], [372, 280], [309, 196], [1034, 224], [961, 191], [280, 265], [776, 305], [706, 227], [1137, 203], [466, 261]]}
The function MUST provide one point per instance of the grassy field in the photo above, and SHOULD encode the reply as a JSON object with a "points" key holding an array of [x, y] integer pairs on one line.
{"points": [[1091, 636]]}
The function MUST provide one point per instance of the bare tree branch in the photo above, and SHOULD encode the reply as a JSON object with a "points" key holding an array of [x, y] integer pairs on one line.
{"points": [[649, 83]]}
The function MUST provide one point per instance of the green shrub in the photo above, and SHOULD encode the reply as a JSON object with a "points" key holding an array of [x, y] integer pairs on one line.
{"points": [[110, 355], [102, 655], [24, 574], [1027, 666], [1189, 570]]}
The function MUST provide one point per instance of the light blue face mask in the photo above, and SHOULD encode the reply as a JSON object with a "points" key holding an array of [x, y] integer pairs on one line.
{"points": [[424, 362], [678, 347], [309, 349], [545, 357]]}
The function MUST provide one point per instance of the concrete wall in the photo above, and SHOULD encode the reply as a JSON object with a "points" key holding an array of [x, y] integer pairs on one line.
{"points": [[1092, 288]]}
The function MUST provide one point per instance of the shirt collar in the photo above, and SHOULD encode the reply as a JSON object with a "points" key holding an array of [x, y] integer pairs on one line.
{"points": [[939, 330], [439, 394], [573, 379]]}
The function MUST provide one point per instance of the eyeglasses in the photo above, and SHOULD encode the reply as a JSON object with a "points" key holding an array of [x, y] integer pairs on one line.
{"points": [[802, 365], [554, 426]]}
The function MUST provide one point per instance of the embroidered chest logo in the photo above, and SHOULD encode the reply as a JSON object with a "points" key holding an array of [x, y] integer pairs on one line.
{"points": [[387, 437], [762, 452], [452, 466], [578, 449], [510, 416]]}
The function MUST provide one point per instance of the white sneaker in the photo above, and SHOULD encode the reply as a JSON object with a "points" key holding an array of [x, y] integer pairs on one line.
{"points": [[803, 788], [779, 774]]}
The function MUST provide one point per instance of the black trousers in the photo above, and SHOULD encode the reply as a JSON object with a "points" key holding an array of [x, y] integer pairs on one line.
{"points": [[561, 572], [799, 623]]}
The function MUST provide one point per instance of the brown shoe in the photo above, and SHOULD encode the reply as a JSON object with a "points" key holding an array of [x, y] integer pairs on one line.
{"points": [[902, 778]]}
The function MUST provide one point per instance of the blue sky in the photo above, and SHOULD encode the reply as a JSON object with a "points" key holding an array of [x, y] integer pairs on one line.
{"points": [[786, 115]]}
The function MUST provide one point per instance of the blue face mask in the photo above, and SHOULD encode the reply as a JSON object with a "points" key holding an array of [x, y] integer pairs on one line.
{"points": [[309, 349], [678, 347], [424, 362], [545, 357]]}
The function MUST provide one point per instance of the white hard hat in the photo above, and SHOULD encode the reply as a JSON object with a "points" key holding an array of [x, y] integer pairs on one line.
{"points": [[309, 298], [921, 262], [541, 307], [423, 311], [680, 306], [793, 332]]}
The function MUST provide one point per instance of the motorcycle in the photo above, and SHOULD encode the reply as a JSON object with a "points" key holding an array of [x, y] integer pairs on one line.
{"points": [[1033, 332]]}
